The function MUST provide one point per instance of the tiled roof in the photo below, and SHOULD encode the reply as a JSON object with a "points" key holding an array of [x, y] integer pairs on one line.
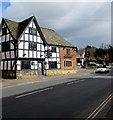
{"points": [[16, 28], [50, 36], [13, 27]]}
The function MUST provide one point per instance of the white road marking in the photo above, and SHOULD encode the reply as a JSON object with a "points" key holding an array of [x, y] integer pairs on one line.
{"points": [[100, 107], [75, 82], [102, 77], [34, 92]]}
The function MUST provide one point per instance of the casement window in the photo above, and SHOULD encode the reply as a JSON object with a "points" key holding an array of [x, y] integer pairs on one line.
{"points": [[5, 46], [68, 51], [4, 31], [25, 64], [67, 63], [32, 31], [52, 64], [32, 46], [53, 49]]}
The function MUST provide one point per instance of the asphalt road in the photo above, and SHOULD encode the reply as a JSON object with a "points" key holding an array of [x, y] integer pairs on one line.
{"points": [[74, 99]]}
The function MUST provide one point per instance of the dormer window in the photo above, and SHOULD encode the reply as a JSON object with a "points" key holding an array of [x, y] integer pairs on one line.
{"points": [[32, 31]]}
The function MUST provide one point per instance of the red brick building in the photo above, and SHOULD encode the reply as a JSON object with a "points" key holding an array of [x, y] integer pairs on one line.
{"points": [[68, 58]]}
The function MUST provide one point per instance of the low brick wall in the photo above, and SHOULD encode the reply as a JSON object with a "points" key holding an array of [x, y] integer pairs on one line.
{"points": [[59, 71], [26, 74]]}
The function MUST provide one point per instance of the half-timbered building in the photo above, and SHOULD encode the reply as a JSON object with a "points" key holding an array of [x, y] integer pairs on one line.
{"points": [[30, 50]]}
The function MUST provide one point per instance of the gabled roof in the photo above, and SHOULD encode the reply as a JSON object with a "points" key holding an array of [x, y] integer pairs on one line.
{"points": [[16, 28], [49, 36], [23, 25], [52, 38]]}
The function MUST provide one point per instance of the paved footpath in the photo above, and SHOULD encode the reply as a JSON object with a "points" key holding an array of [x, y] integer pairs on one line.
{"points": [[17, 82]]}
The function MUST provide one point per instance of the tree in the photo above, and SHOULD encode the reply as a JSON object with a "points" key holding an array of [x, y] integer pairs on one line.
{"points": [[98, 58]]}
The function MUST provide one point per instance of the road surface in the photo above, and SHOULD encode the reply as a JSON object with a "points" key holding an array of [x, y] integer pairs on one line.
{"points": [[75, 99]]}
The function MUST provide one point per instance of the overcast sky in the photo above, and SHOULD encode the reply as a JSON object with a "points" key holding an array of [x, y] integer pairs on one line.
{"points": [[80, 23]]}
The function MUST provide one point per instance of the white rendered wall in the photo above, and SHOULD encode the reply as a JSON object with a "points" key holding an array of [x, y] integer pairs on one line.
{"points": [[24, 44], [55, 57]]}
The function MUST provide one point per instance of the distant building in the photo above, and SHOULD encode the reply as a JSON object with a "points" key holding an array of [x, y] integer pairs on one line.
{"points": [[80, 57], [30, 50]]}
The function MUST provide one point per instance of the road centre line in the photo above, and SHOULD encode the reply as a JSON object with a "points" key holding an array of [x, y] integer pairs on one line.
{"points": [[74, 82], [34, 92], [99, 108]]}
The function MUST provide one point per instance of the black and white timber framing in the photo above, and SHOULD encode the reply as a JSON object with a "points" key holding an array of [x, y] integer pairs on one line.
{"points": [[24, 47], [7, 49]]}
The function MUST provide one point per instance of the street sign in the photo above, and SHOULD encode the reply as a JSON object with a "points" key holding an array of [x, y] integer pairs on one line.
{"points": [[49, 54]]}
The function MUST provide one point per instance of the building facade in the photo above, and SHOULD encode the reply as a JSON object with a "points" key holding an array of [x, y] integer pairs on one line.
{"points": [[28, 50], [80, 57]]}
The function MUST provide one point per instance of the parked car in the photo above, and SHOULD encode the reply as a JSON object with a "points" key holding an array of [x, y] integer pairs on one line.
{"points": [[92, 64], [103, 69]]}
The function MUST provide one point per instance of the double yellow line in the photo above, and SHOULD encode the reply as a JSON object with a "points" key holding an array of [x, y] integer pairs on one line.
{"points": [[99, 108]]}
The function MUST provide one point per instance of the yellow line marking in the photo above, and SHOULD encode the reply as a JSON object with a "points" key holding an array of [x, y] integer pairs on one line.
{"points": [[100, 107]]}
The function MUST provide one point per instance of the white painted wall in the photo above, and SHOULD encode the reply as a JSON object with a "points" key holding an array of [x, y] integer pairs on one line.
{"points": [[21, 45], [5, 65], [1, 65], [7, 55], [11, 46], [26, 52], [30, 25], [12, 54], [35, 39], [27, 30], [26, 37], [9, 65], [20, 53], [26, 45], [3, 38], [32, 54], [55, 56], [18, 65], [0, 48], [35, 65], [12, 64], [3, 55], [7, 37], [58, 66]]}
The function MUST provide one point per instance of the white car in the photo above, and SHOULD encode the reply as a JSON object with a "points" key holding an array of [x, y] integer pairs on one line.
{"points": [[102, 70]]}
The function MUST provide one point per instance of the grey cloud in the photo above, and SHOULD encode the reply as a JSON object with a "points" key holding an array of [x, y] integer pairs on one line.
{"points": [[78, 23]]}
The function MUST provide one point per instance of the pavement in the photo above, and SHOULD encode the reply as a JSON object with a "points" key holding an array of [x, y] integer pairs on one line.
{"points": [[17, 82]]}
